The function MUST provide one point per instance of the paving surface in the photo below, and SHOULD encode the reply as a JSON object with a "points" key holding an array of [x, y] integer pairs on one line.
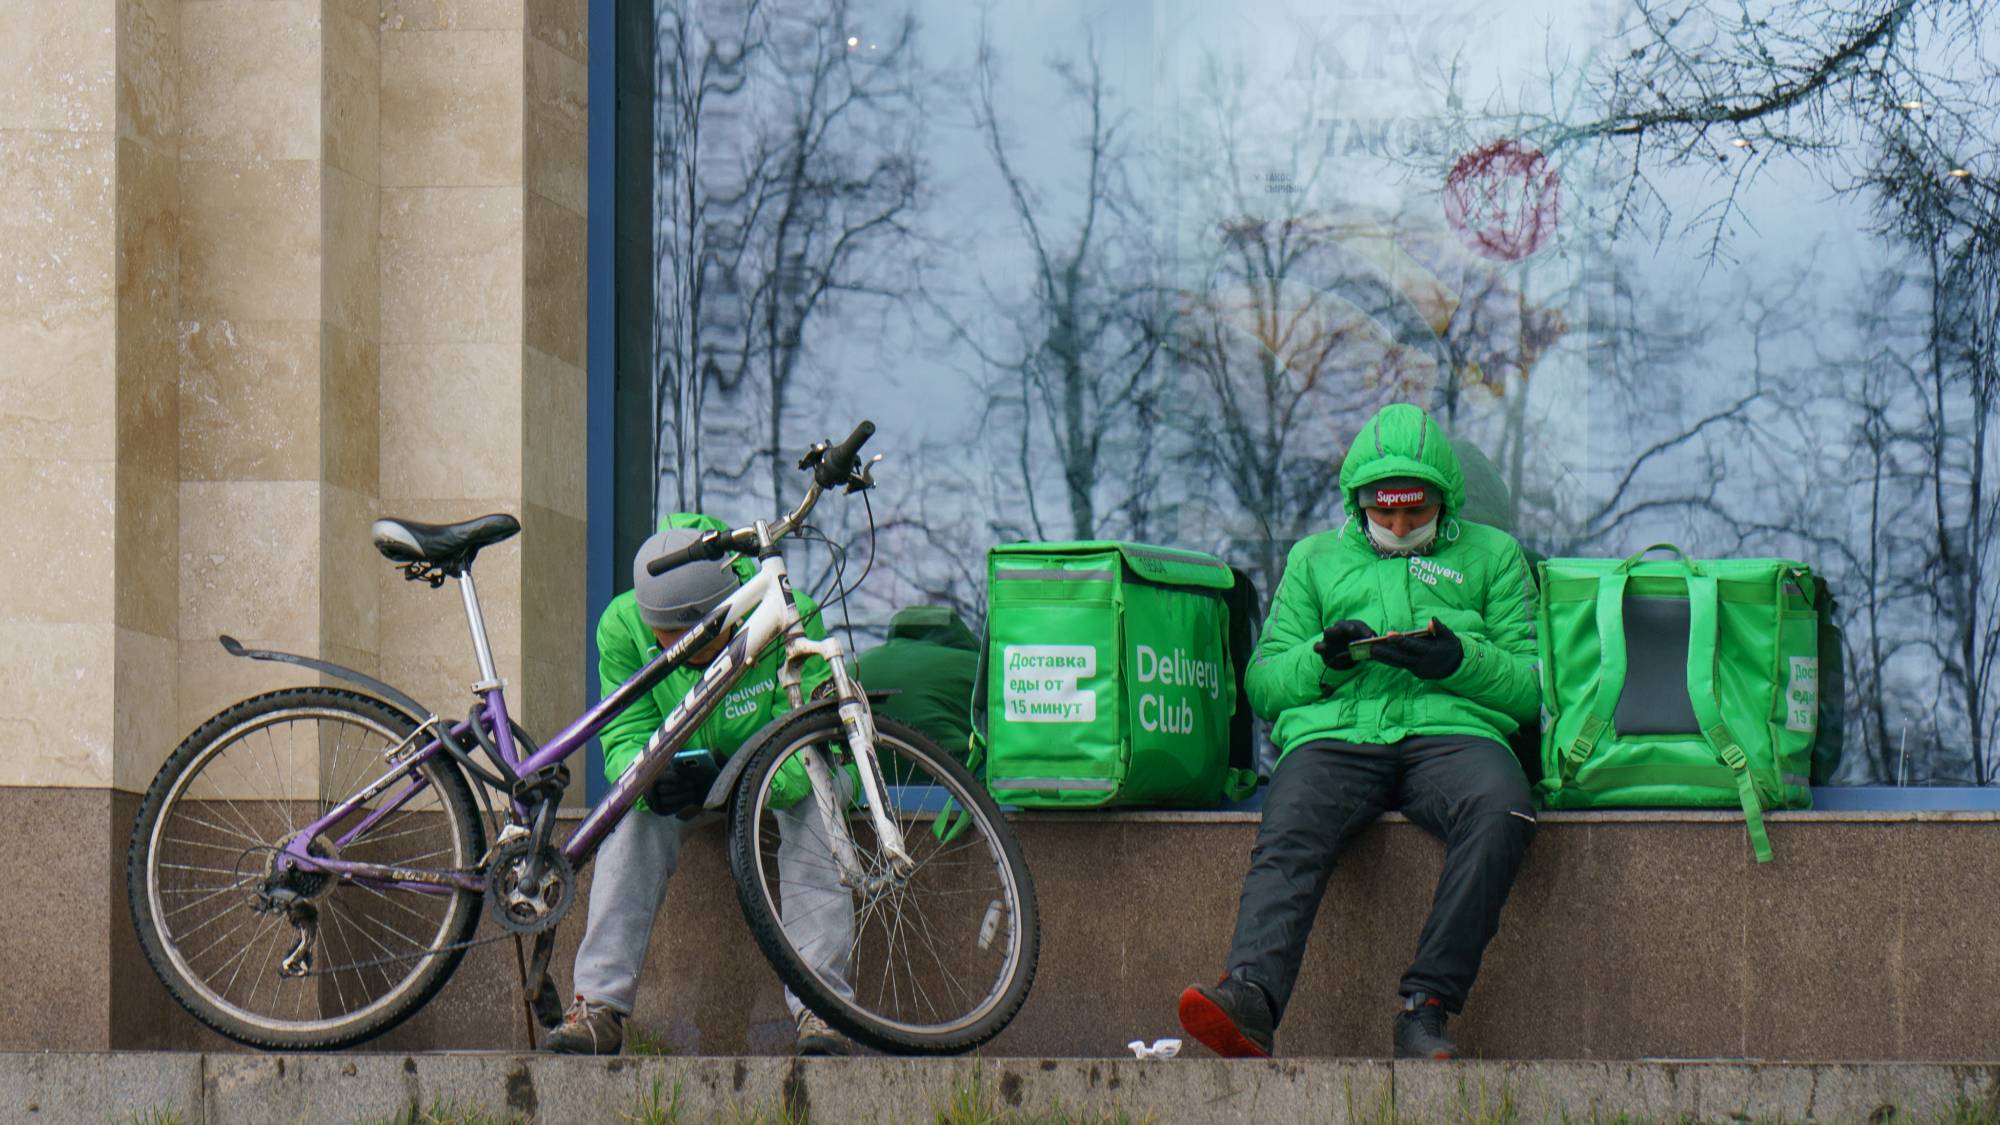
{"points": [[193, 1089]]}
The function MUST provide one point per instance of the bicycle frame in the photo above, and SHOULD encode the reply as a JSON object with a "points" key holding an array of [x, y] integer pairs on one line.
{"points": [[772, 613]]}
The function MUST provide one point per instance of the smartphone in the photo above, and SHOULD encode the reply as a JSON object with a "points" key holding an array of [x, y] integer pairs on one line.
{"points": [[1358, 650], [698, 759]]}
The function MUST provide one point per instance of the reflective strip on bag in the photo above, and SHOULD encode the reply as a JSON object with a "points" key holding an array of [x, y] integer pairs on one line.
{"points": [[1046, 784], [1054, 575]]}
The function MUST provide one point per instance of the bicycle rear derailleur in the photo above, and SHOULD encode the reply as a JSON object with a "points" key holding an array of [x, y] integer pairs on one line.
{"points": [[528, 889]]}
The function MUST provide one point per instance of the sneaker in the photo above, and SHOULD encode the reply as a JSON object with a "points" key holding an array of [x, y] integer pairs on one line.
{"points": [[1420, 1029], [1232, 1018], [588, 1028], [817, 1039]]}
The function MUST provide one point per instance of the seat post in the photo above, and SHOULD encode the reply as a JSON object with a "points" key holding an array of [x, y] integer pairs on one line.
{"points": [[489, 676]]}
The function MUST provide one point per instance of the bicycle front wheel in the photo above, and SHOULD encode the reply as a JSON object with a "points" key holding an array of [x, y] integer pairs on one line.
{"points": [[209, 892], [933, 957]]}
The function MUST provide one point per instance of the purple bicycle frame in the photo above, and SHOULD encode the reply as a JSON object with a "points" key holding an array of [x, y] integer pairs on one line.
{"points": [[582, 843]]}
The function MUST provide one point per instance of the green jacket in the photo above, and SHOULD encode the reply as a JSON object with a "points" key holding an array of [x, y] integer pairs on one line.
{"points": [[930, 661], [1474, 579], [625, 644]]}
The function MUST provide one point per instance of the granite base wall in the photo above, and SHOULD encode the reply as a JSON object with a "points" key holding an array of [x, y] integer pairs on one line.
{"points": [[1629, 936]]}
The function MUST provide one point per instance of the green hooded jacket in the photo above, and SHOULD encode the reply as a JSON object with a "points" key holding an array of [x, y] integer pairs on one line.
{"points": [[625, 644], [930, 661], [1474, 579]]}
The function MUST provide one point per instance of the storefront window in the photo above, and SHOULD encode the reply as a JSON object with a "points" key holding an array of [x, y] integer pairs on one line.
{"points": [[1717, 274]]}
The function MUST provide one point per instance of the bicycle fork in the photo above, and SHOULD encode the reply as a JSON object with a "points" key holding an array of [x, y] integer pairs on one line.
{"points": [[859, 724]]}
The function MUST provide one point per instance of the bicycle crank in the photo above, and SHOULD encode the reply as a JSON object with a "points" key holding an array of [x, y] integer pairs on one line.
{"points": [[528, 889]]}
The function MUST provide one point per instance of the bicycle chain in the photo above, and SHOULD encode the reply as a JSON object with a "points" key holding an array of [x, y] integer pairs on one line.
{"points": [[394, 958]]}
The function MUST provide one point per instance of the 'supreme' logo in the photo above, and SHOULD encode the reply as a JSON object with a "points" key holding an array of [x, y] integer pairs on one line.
{"points": [[1404, 498]]}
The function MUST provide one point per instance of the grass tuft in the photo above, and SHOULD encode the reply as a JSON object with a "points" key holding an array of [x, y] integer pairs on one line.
{"points": [[151, 1117], [659, 1106], [646, 1043]]}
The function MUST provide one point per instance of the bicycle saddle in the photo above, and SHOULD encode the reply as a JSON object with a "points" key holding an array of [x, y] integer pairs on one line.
{"points": [[448, 546]]}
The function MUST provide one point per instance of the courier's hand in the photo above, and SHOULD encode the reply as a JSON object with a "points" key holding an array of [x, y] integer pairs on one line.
{"points": [[682, 785], [1332, 645], [1430, 657]]}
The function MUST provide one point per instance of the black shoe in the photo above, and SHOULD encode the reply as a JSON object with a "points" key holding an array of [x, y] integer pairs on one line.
{"points": [[1420, 1029], [1232, 1018]]}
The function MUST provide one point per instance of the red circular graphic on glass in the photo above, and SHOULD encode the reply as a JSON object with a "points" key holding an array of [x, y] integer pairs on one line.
{"points": [[1503, 200]]}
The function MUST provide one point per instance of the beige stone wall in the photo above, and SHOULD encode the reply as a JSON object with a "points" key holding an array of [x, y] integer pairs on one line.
{"points": [[89, 241], [270, 269]]}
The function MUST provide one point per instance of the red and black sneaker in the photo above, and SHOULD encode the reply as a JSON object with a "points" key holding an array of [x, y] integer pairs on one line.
{"points": [[1420, 1029], [1232, 1018]]}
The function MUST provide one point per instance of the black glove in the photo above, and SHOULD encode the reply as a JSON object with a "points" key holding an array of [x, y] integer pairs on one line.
{"points": [[1332, 645], [1431, 657], [684, 783]]}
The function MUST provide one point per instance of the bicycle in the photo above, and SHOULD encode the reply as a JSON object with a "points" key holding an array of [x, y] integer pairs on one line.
{"points": [[309, 866]]}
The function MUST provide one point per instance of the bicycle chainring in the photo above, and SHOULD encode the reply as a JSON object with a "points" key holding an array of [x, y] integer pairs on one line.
{"points": [[524, 905]]}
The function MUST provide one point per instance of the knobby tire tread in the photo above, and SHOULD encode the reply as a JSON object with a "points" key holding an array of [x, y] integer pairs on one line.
{"points": [[452, 789]]}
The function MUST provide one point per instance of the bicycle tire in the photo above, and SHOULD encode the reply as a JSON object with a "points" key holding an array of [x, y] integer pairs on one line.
{"points": [[769, 750], [431, 971]]}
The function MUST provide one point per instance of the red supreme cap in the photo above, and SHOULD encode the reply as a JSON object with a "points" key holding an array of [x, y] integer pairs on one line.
{"points": [[1397, 492]]}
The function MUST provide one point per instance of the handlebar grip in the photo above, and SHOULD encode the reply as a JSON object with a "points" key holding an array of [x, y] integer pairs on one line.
{"points": [[709, 546], [838, 464]]}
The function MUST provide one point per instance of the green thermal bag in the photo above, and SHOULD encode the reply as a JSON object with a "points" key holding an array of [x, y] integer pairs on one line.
{"points": [[1680, 683], [1111, 675]]}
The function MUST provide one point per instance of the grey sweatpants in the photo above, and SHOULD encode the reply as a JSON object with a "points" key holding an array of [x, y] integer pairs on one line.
{"points": [[631, 881]]}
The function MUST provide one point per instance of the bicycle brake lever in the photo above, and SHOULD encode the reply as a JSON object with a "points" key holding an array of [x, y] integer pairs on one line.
{"points": [[864, 477]]}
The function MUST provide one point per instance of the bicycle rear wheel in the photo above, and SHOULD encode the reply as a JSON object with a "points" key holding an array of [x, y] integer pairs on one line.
{"points": [[936, 960], [201, 878]]}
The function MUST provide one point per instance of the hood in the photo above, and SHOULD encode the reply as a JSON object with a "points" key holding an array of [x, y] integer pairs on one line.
{"points": [[1402, 441], [934, 624]]}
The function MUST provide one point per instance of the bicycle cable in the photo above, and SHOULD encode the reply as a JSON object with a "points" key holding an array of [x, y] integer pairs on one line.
{"points": [[838, 554]]}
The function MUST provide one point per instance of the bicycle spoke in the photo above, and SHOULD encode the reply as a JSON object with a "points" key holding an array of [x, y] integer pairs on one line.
{"points": [[394, 902], [950, 977], [259, 975], [347, 947], [218, 828]]}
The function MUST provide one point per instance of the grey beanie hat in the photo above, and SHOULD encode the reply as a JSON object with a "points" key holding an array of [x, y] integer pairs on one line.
{"points": [[679, 598]]}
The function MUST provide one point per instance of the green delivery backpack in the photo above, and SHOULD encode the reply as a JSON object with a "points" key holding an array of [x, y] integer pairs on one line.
{"points": [[1111, 675], [1677, 683]]}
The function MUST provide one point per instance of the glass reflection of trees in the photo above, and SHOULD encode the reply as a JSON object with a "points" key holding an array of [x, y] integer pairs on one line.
{"points": [[1153, 300]]}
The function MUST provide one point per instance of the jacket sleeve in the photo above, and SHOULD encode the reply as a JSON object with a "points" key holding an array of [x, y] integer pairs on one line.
{"points": [[1499, 668], [618, 656], [1285, 672]]}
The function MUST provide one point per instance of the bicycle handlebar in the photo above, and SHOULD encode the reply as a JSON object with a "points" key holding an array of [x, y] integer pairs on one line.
{"points": [[838, 464], [834, 468], [709, 546]]}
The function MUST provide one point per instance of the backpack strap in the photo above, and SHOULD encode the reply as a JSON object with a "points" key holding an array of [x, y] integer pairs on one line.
{"points": [[1610, 680], [1611, 656], [1703, 630]]}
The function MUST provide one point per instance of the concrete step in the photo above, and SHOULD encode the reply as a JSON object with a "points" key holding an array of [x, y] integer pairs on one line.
{"points": [[197, 1089]]}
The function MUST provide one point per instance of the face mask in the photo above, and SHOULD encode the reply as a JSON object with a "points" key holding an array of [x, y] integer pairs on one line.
{"points": [[1391, 544]]}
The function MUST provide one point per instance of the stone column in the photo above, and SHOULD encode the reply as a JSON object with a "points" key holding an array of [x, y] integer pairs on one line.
{"points": [[483, 148], [88, 582], [268, 268]]}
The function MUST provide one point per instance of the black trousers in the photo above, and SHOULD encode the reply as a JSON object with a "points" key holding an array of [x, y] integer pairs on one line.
{"points": [[1469, 792]]}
